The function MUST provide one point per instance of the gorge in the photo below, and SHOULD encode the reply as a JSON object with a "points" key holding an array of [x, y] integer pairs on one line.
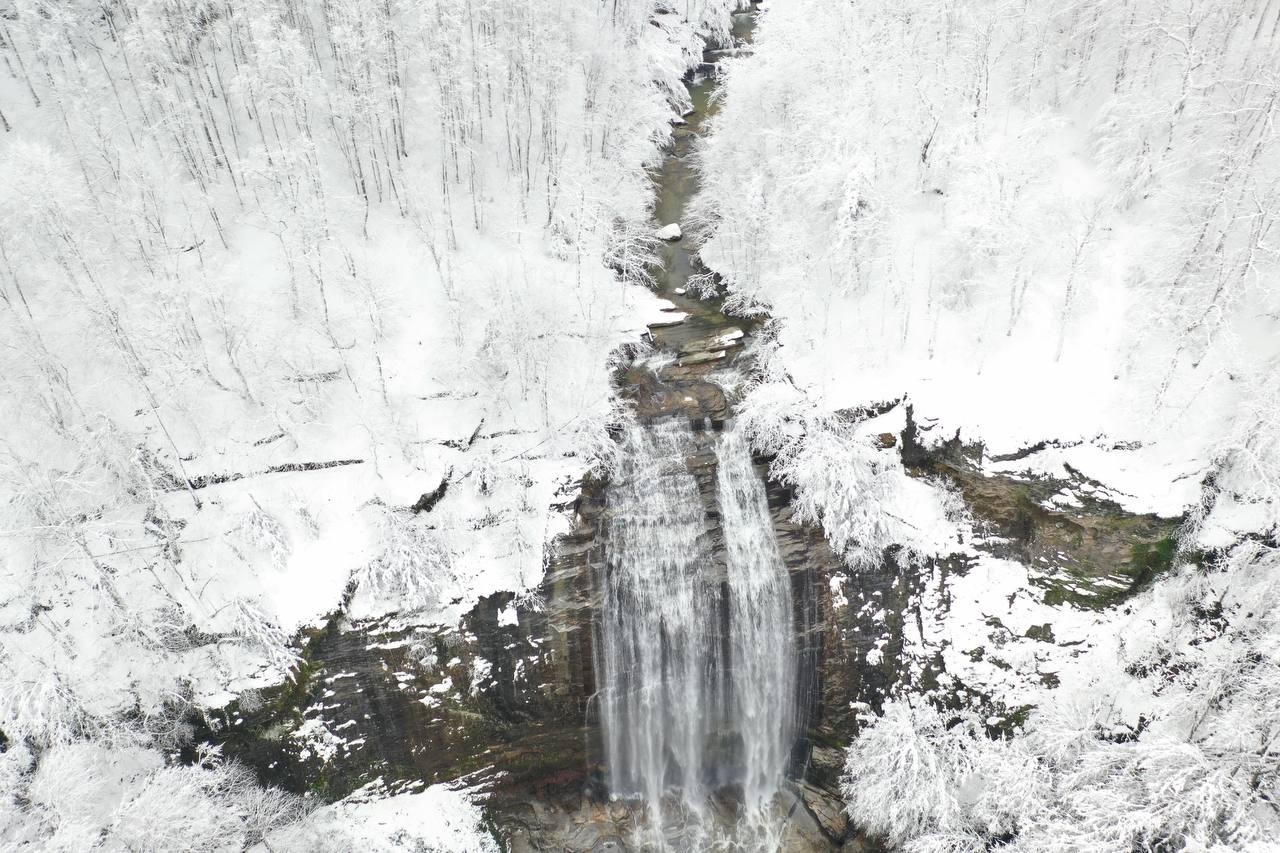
{"points": [[645, 425]]}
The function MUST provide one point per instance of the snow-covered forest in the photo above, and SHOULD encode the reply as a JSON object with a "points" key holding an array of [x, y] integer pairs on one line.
{"points": [[332, 308], [271, 272], [1051, 228]]}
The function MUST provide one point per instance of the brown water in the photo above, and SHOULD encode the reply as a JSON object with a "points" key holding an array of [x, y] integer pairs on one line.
{"points": [[676, 185]]}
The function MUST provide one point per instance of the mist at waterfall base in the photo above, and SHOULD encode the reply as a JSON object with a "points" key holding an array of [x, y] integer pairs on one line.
{"points": [[697, 657]]}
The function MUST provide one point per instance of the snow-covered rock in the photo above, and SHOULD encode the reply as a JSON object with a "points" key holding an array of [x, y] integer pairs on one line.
{"points": [[670, 232], [671, 318]]}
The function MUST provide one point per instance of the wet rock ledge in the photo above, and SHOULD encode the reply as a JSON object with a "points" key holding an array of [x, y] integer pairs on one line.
{"points": [[507, 704]]}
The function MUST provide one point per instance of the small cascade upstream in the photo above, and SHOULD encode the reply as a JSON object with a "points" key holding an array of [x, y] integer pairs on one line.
{"points": [[697, 654]]}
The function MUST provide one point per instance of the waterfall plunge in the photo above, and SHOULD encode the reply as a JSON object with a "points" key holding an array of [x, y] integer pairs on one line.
{"points": [[762, 658], [662, 700], [697, 655]]}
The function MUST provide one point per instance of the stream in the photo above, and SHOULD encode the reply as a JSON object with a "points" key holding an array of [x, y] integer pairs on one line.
{"points": [[696, 659]]}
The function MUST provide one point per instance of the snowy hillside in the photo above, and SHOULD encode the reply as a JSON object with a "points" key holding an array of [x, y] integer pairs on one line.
{"points": [[1049, 228], [671, 425], [299, 301], [1041, 223]]}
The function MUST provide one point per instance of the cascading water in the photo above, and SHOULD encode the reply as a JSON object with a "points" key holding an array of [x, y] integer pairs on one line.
{"points": [[661, 703], [762, 660], [697, 654]]}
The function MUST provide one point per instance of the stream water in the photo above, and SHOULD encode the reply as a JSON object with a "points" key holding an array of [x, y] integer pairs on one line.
{"points": [[696, 661]]}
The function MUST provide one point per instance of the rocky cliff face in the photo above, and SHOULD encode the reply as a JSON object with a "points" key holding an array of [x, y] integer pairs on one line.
{"points": [[505, 701]]}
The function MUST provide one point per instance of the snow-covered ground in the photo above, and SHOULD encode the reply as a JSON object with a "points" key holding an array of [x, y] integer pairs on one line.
{"points": [[311, 304], [1075, 248], [437, 818], [1049, 229], [272, 275]]}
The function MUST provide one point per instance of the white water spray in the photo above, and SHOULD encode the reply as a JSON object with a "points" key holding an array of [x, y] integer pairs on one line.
{"points": [[762, 660], [697, 654]]}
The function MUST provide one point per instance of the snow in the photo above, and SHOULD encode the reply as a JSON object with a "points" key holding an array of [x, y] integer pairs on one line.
{"points": [[249, 341], [439, 818], [1007, 285], [669, 318], [318, 740], [236, 360], [470, 365], [435, 818], [1044, 263], [998, 589]]}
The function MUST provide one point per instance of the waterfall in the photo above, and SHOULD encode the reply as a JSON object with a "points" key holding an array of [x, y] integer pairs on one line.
{"points": [[661, 703], [762, 659], [697, 660]]}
